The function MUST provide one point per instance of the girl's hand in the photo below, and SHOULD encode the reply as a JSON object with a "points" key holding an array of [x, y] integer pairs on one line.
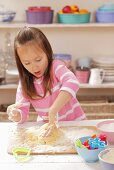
{"points": [[14, 113], [49, 130]]}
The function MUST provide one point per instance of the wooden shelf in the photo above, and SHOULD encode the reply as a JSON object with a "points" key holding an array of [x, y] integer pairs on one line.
{"points": [[54, 25], [82, 86], [8, 87], [103, 85]]}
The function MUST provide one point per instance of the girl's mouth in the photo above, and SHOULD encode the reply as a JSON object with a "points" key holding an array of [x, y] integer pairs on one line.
{"points": [[37, 74]]}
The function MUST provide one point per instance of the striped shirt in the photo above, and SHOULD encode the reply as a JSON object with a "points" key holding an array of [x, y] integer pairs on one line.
{"points": [[63, 80]]}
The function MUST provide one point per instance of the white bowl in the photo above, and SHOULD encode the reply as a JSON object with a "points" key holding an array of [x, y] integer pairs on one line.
{"points": [[106, 158]]}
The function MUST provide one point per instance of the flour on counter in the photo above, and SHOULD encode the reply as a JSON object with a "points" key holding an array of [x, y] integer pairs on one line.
{"points": [[28, 137]]}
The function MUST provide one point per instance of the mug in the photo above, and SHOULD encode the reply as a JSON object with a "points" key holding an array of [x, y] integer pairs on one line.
{"points": [[82, 75], [96, 76]]}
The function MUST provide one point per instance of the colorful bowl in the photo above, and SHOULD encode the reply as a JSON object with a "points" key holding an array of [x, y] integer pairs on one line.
{"points": [[104, 127], [73, 18], [86, 154], [104, 157]]}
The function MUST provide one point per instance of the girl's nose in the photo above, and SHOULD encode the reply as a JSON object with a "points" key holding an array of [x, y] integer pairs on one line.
{"points": [[34, 67]]}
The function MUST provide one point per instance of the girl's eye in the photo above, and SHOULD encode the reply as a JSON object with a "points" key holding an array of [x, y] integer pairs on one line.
{"points": [[26, 64], [38, 60]]}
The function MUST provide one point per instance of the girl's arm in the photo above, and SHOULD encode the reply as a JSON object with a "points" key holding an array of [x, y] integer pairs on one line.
{"points": [[69, 87], [19, 111], [60, 101]]}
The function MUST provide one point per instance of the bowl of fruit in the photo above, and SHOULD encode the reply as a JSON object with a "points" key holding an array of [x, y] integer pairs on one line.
{"points": [[89, 147], [73, 15]]}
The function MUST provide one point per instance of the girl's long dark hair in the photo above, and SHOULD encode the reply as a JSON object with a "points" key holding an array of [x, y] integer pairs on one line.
{"points": [[24, 36]]}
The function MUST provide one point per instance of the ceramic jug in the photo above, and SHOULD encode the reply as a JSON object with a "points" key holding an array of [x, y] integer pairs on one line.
{"points": [[96, 76]]}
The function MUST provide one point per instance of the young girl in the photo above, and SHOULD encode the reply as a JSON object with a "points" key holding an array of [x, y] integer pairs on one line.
{"points": [[45, 83]]}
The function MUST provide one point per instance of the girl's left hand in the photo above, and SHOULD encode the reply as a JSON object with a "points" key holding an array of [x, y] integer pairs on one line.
{"points": [[50, 129]]}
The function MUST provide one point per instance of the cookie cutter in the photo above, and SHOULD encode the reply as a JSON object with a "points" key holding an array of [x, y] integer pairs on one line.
{"points": [[22, 154]]}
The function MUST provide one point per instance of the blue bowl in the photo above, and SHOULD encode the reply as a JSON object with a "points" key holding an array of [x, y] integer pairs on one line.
{"points": [[86, 154], [105, 164], [73, 18], [107, 7], [104, 16]]}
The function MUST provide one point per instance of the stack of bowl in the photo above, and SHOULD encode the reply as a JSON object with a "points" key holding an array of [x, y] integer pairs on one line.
{"points": [[7, 16], [39, 15], [105, 13]]}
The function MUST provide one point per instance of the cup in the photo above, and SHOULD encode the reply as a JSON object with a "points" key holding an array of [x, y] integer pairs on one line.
{"points": [[96, 76], [82, 75]]}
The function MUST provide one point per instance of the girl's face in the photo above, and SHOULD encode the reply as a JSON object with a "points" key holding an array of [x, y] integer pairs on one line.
{"points": [[33, 58]]}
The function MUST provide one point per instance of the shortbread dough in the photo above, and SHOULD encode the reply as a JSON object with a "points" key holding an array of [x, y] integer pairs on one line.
{"points": [[35, 136]]}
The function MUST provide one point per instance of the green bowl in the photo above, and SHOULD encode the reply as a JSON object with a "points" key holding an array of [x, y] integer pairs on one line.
{"points": [[73, 18]]}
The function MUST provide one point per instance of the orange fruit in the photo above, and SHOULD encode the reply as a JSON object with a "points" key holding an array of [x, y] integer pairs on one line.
{"points": [[83, 11], [74, 8], [75, 12], [60, 12]]}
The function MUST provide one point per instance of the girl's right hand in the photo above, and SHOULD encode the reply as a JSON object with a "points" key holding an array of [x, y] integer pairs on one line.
{"points": [[14, 113]]}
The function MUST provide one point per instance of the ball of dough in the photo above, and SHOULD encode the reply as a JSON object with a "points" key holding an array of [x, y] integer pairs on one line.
{"points": [[35, 136], [56, 133]]}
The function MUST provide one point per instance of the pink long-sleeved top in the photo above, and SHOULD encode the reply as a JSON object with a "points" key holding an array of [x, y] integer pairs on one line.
{"points": [[63, 80]]}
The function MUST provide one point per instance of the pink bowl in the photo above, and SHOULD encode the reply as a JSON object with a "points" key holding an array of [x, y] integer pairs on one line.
{"points": [[107, 131]]}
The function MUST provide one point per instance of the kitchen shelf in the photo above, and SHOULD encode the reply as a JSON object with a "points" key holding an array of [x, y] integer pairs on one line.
{"points": [[103, 85], [82, 86], [8, 86], [54, 25]]}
